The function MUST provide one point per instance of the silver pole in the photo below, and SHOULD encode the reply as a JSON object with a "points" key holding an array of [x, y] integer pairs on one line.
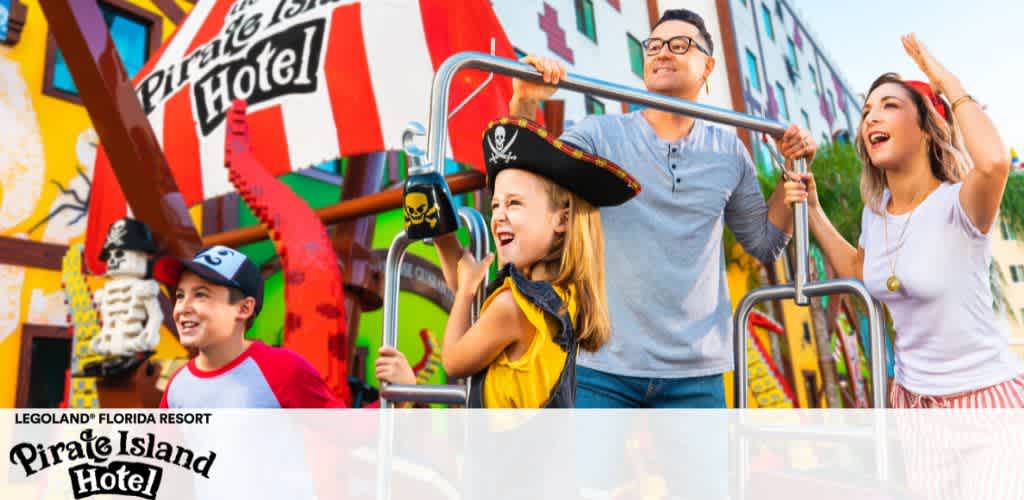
{"points": [[743, 469], [437, 133], [385, 449], [800, 236], [479, 243], [392, 284], [444, 394], [879, 369], [881, 446], [815, 431], [839, 434]]}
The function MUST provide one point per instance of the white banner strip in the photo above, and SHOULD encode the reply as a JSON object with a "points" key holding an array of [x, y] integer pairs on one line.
{"points": [[438, 454]]}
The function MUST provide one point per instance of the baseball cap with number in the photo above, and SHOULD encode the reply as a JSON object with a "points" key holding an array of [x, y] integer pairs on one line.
{"points": [[219, 265]]}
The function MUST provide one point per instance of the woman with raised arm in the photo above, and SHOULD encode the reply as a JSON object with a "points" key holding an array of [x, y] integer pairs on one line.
{"points": [[934, 173]]}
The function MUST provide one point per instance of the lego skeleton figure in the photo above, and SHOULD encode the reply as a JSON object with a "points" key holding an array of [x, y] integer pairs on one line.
{"points": [[129, 303]]}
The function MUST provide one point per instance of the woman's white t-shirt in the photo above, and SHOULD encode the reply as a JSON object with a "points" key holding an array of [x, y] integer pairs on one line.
{"points": [[948, 339]]}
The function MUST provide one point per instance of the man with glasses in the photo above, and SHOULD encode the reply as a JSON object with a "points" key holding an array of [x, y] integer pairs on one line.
{"points": [[665, 272]]}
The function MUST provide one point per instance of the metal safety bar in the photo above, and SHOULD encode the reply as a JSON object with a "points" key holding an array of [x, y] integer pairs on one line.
{"points": [[479, 244], [800, 239], [818, 289], [437, 134], [878, 372], [800, 236]]}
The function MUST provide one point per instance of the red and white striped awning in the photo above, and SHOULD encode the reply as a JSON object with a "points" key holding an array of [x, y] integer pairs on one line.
{"points": [[323, 80]]}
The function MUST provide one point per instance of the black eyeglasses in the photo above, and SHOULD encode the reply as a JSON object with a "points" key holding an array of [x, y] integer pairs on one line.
{"points": [[677, 45]]}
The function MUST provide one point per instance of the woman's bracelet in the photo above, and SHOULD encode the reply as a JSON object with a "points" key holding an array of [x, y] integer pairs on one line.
{"points": [[959, 100]]}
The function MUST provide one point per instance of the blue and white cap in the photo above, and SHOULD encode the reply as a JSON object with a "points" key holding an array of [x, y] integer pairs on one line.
{"points": [[219, 265]]}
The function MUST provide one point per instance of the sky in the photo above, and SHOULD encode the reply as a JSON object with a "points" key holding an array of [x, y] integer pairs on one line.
{"points": [[980, 41]]}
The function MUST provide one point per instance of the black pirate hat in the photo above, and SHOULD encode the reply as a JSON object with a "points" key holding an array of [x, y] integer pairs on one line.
{"points": [[128, 234], [512, 142]]}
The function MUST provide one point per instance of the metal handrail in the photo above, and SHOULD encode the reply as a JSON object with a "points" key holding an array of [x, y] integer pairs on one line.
{"points": [[817, 289], [438, 130], [422, 393], [451, 394]]}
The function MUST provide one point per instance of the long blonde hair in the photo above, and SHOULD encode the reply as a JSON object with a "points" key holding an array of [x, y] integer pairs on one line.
{"points": [[579, 253], [946, 155]]}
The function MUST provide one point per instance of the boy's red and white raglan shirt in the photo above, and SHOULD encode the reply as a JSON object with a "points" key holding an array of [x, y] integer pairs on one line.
{"points": [[261, 377]]}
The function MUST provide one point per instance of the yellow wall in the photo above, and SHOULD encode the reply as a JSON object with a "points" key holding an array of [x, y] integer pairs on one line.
{"points": [[737, 279], [803, 356], [1008, 253], [53, 139]]}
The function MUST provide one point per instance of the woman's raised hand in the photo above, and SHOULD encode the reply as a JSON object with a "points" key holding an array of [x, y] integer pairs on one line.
{"points": [[941, 79]]}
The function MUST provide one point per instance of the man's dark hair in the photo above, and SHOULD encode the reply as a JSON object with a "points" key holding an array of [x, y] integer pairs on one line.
{"points": [[688, 16], [234, 296]]}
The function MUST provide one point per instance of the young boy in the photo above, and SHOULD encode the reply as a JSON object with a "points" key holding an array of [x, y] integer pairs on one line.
{"points": [[217, 295]]}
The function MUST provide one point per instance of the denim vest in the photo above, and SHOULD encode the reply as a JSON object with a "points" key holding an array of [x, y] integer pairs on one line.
{"points": [[541, 294]]}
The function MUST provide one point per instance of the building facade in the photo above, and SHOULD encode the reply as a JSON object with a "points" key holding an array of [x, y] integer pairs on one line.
{"points": [[601, 39], [47, 150], [1008, 256], [785, 73], [597, 38]]}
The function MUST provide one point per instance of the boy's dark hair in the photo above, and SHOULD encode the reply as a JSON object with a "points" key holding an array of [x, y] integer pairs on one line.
{"points": [[688, 16], [235, 295]]}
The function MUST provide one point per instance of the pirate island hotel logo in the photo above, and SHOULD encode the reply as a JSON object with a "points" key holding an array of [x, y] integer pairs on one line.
{"points": [[101, 465]]}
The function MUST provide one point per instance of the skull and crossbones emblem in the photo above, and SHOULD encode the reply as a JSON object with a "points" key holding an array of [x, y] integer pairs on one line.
{"points": [[500, 148], [118, 231], [419, 210]]}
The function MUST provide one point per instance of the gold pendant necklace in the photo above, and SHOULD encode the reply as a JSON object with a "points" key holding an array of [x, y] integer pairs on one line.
{"points": [[893, 284]]}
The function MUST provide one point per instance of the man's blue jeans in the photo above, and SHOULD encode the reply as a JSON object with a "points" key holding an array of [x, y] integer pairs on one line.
{"points": [[688, 450], [597, 389]]}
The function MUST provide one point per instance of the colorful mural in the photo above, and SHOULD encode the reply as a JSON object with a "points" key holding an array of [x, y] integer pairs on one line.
{"points": [[768, 388], [22, 164], [47, 154], [66, 218]]}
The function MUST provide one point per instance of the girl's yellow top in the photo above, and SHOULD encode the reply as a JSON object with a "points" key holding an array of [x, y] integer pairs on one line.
{"points": [[527, 382]]}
